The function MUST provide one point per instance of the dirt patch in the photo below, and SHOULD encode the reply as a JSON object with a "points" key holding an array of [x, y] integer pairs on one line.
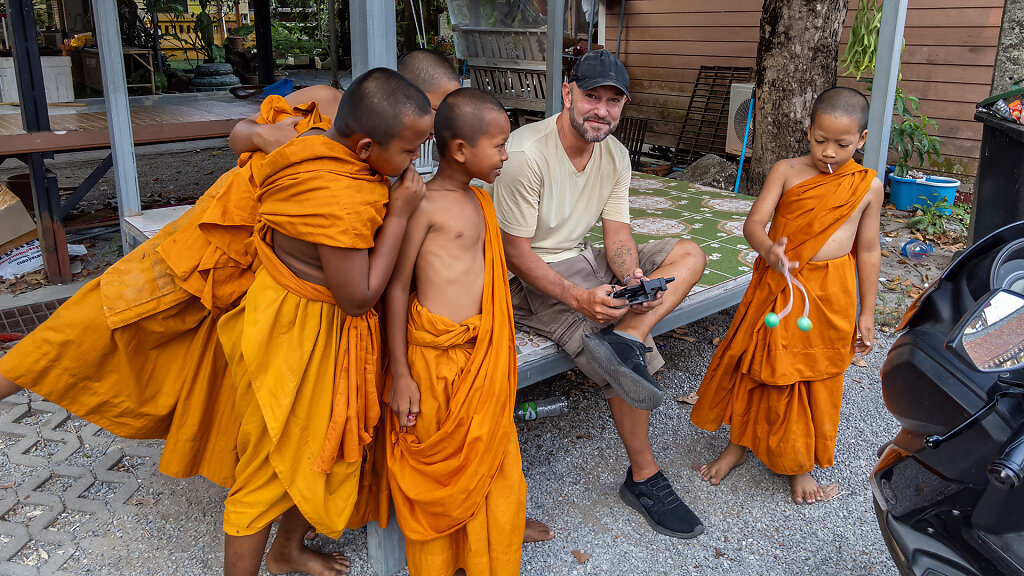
{"points": [[902, 279]]}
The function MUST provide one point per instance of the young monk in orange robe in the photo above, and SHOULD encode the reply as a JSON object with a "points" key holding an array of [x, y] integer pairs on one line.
{"points": [[453, 455], [304, 344], [780, 389], [143, 332], [135, 350]]}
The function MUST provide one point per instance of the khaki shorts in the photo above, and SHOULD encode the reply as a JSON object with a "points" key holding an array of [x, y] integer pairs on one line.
{"points": [[554, 319]]}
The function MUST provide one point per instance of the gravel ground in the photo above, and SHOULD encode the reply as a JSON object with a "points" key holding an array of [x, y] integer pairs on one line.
{"points": [[574, 465]]}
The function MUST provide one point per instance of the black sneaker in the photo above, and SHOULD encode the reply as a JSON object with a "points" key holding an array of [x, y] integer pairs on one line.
{"points": [[623, 364], [660, 506]]}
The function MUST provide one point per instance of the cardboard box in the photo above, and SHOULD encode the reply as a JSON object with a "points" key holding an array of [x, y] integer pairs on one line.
{"points": [[16, 226]]}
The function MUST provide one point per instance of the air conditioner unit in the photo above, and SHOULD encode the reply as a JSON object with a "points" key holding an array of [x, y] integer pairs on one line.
{"points": [[739, 106]]}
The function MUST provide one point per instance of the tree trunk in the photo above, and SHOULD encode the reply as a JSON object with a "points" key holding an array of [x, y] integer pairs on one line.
{"points": [[1010, 53], [796, 60]]}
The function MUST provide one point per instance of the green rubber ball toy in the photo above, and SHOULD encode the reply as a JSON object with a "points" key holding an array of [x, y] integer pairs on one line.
{"points": [[804, 324], [771, 319]]}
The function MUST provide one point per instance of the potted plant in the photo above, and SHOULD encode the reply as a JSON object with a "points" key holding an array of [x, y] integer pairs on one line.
{"points": [[910, 135], [909, 138]]}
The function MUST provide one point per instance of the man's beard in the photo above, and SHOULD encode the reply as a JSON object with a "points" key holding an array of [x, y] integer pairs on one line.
{"points": [[580, 126]]}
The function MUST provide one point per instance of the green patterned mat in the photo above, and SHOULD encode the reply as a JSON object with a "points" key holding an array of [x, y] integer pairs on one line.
{"points": [[666, 208]]}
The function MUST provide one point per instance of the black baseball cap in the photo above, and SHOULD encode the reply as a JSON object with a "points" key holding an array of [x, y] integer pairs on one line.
{"points": [[600, 68]]}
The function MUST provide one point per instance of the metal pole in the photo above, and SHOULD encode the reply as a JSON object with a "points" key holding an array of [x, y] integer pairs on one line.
{"points": [[373, 29], [332, 31], [264, 44], [119, 121], [618, 34], [556, 19], [883, 87]]}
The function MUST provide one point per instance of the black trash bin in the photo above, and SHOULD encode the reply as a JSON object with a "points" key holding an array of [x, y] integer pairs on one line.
{"points": [[999, 194]]}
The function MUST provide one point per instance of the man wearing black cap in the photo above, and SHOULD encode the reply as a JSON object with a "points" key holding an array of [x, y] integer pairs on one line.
{"points": [[563, 174]]}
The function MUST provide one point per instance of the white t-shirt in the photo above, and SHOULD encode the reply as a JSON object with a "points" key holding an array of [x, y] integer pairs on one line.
{"points": [[540, 195]]}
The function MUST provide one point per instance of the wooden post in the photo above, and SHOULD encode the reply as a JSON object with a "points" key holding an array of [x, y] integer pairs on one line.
{"points": [[385, 547], [332, 28], [883, 87], [119, 120], [556, 19], [264, 44], [35, 118]]}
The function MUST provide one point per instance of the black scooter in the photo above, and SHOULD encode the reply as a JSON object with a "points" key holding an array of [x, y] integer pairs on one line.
{"points": [[948, 488]]}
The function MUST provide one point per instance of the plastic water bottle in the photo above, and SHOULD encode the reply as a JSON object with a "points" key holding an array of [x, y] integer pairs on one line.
{"points": [[541, 408], [916, 250]]}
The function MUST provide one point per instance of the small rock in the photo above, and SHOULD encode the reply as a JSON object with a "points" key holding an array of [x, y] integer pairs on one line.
{"points": [[711, 171]]}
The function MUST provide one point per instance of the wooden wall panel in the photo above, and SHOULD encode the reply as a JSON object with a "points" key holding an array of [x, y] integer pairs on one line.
{"points": [[947, 62]]}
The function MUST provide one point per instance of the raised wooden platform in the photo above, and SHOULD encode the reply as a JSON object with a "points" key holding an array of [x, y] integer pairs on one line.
{"points": [[155, 119]]}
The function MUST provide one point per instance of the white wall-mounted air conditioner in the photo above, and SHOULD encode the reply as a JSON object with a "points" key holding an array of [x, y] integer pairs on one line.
{"points": [[739, 104]]}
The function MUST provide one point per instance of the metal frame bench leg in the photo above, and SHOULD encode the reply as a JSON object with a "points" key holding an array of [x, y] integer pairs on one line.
{"points": [[385, 547]]}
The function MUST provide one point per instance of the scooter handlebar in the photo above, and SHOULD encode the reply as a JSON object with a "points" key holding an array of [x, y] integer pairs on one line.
{"points": [[1007, 471]]}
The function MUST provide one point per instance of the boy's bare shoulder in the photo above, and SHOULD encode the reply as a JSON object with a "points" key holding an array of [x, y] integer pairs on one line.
{"points": [[793, 165], [876, 192], [436, 203]]}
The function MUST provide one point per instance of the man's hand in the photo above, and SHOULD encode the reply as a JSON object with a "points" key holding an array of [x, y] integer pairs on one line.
{"points": [[407, 193], [642, 308], [776, 257], [865, 335], [598, 305], [405, 399], [270, 137]]}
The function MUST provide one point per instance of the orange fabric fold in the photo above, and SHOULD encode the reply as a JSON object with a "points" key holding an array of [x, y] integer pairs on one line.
{"points": [[308, 375], [146, 361], [780, 425], [213, 258], [456, 476]]}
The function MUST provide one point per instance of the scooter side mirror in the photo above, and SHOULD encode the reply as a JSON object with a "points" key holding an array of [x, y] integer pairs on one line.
{"points": [[991, 335]]}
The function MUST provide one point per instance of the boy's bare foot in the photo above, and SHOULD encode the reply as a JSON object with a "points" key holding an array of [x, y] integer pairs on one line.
{"points": [[719, 468], [805, 489], [289, 554], [537, 531], [288, 559]]}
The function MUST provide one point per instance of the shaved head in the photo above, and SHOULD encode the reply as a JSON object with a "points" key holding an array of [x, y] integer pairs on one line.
{"points": [[378, 104], [463, 116], [842, 102], [429, 70]]}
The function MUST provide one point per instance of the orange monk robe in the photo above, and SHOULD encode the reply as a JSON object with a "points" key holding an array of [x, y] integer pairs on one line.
{"points": [[307, 374], [780, 389], [136, 351], [457, 476]]}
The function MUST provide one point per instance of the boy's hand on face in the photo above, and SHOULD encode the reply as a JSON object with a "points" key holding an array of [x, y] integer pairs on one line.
{"points": [[598, 305], [405, 399], [407, 193], [776, 257], [865, 335], [270, 137]]}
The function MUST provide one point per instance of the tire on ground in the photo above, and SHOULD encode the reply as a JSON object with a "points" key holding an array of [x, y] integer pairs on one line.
{"points": [[216, 81], [207, 70]]}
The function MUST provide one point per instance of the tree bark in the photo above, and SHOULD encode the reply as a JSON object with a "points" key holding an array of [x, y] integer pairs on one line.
{"points": [[1009, 64], [796, 60]]}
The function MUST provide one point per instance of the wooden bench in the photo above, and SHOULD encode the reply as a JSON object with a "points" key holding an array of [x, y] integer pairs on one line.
{"points": [[508, 63], [659, 208]]}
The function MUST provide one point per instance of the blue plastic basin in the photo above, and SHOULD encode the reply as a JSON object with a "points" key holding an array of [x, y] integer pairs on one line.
{"points": [[910, 193]]}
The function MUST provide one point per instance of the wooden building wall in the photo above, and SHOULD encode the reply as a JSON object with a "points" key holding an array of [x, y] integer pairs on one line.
{"points": [[947, 63]]}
